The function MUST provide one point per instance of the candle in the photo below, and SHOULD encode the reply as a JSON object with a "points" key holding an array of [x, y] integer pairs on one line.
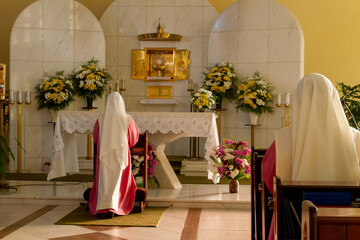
{"points": [[190, 83], [287, 98], [19, 97], [122, 83], [117, 85], [278, 99], [11, 96], [195, 86], [110, 88], [28, 97]]}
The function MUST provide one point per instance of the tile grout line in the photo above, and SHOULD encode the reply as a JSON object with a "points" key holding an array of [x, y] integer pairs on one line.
{"points": [[191, 225], [24, 221]]}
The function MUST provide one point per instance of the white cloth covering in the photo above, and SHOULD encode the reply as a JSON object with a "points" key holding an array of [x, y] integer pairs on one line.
{"points": [[320, 146], [113, 151]]}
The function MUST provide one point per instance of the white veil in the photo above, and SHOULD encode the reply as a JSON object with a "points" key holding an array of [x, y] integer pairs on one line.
{"points": [[320, 145]]}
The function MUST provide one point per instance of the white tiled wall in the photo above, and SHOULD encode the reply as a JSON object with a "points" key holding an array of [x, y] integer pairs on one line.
{"points": [[258, 35], [123, 21], [48, 36], [51, 35]]}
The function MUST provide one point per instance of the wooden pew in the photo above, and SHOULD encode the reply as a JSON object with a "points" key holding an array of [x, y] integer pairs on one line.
{"points": [[256, 193], [325, 223], [294, 192]]}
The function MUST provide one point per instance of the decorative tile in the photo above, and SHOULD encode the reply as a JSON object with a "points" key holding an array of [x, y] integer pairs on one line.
{"points": [[58, 45], [84, 41], [31, 17], [131, 21], [253, 46], [253, 14], [59, 14], [85, 20], [26, 44], [189, 21]]}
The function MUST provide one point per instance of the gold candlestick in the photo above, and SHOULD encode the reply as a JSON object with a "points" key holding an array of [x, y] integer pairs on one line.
{"points": [[19, 138]]}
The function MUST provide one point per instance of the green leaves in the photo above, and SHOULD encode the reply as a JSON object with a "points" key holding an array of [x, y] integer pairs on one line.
{"points": [[4, 158], [350, 95]]}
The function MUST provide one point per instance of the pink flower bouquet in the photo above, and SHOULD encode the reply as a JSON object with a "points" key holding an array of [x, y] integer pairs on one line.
{"points": [[231, 160]]}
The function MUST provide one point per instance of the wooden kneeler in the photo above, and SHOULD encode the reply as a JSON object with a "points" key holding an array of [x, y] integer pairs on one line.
{"points": [[141, 149]]}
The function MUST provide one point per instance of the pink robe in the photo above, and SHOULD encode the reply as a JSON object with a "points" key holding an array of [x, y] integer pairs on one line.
{"points": [[268, 168], [127, 185]]}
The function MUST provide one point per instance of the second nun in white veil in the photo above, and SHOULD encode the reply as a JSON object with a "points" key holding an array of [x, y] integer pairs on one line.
{"points": [[114, 185]]}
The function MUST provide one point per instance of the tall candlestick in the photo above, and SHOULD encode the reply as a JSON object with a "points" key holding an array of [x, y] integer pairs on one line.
{"points": [[19, 97], [190, 84], [117, 85], [110, 88], [123, 82], [287, 99], [11, 96], [195, 87], [28, 97], [278, 99]]}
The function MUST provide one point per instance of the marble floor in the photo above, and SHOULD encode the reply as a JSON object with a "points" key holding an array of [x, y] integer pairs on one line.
{"points": [[196, 211]]}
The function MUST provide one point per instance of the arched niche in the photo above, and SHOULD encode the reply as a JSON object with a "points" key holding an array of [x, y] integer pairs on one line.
{"points": [[264, 36], [48, 36]]}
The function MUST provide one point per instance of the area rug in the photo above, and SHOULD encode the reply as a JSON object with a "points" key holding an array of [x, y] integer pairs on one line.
{"points": [[149, 218]]}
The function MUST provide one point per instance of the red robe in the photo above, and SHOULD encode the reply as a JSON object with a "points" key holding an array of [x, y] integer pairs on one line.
{"points": [[127, 185]]}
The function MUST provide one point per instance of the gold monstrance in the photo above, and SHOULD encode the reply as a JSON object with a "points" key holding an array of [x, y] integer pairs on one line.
{"points": [[158, 63]]}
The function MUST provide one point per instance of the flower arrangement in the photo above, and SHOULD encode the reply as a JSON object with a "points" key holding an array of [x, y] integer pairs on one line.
{"points": [[90, 80], [231, 159], [203, 99], [138, 162], [221, 80], [254, 95], [55, 92]]}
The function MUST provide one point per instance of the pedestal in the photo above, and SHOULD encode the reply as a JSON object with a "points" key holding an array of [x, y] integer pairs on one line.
{"points": [[252, 133], [89, 137]]}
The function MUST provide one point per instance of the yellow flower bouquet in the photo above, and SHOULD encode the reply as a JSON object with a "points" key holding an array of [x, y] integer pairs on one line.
{"points": [[254, 95], [221, 80], [55, 92], [90, 80], [203, 99]]}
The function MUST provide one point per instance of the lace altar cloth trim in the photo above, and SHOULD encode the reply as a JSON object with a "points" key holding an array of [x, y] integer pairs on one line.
{"points": [[192, 124]]}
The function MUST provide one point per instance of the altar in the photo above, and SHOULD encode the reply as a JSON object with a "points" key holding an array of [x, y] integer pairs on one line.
{"points": [[163, 128]]}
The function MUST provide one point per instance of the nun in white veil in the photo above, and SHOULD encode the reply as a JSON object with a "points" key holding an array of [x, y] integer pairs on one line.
{"points": [[114, 186], [320, 145], [323, 145]]}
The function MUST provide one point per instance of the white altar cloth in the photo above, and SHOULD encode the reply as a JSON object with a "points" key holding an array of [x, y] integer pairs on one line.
{"points": [[163, 127]]}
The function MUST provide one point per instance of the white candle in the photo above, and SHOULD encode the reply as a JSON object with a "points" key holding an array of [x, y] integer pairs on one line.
{"points": [[278, 99], [28, 97], [11, 96], [287, 98], [123, 83], [19, 97], [190, 83]]}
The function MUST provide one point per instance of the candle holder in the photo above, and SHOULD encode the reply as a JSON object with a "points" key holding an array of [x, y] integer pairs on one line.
{"points": [[19, 101]]}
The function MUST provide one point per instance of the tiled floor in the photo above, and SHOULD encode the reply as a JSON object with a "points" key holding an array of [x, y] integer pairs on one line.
{"points": [[220, 213]]}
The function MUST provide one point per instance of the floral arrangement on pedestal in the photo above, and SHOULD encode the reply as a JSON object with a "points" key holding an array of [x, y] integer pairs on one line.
{"points": [[231, 161], [221, 80], [203, 99], [55, 92], [254, 95], [90, 81]]}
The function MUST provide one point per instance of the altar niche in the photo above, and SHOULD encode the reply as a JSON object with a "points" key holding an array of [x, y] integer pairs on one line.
{"points": [[160, 64]]}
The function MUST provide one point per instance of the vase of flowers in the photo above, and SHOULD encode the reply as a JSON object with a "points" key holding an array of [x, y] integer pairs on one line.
{"points": [[221, 80], [90, 81], [138, 165], [203, 99], [254, 96], [231, 160], [55, 92]]}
